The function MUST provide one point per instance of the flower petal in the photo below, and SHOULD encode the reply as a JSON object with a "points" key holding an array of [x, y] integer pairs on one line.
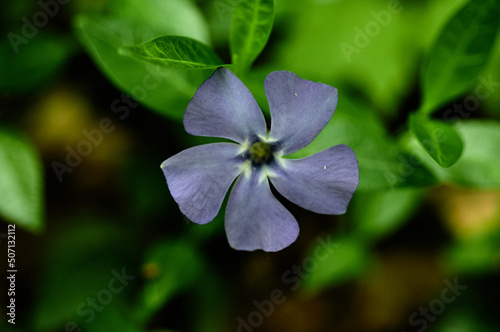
{"points": [[199, 177], [322, 183], [255, 219], [224, 107], [300, 109]]}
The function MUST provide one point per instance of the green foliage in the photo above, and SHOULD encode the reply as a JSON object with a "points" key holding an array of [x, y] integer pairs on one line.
{"points": [[250, 29], [481, 157], [159, 17], [175, 52], [347, 259], [175, 266], [210, 317], [439, 139], [77, 267], [376, 215], [114, 319], [456, 58], [21, 181], [460, 52], [383, 65], [478, 166], [166, 91]]}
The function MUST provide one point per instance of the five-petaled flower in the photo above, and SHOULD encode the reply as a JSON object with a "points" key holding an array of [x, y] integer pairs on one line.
{"points": [[199, 177]]}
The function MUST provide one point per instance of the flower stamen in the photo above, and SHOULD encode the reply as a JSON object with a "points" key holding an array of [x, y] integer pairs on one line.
{"points": [[260, 153]]}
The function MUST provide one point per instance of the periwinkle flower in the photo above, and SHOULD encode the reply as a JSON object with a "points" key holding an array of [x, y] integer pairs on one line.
{"points": [[199, 177]]}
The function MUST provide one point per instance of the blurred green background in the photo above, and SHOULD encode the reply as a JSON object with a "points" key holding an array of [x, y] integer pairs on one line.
{"points": [[102, 246]]}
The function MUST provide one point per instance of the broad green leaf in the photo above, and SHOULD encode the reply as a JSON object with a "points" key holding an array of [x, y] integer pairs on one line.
{"points": [[336, 262], [165, 91], [250, 29], [175, 52], [460, 53], [383, 165], [378, 214], [478, 166], [21, 181], [439, 139], [159, 17]]}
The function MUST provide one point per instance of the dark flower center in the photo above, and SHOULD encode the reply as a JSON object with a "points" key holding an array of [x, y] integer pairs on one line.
{"points": [[260, 153]]}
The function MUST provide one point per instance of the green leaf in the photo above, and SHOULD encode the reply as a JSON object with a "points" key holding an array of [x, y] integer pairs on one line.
{"points": [[175, 52], [378, 214], [478, 166], [439, 139], [383, 165], [21, 181], [250, 29], [165, 91], [460, 53], [345, 259], [159, 17]]}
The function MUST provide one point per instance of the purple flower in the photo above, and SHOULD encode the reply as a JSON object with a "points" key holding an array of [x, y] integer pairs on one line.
{"points": [[199, 177]]}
